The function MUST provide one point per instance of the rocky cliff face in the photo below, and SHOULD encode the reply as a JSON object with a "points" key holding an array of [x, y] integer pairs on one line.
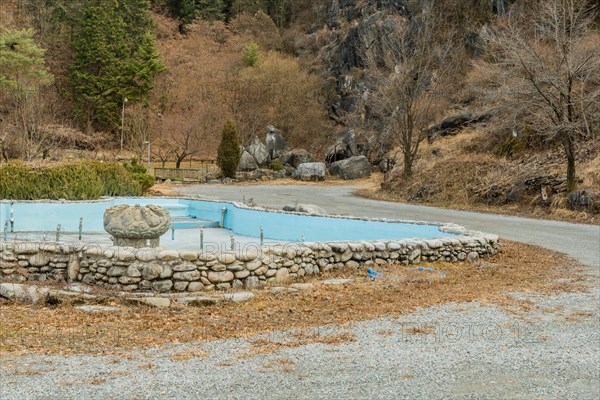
{"points": [[355, 29], [358, 31]]}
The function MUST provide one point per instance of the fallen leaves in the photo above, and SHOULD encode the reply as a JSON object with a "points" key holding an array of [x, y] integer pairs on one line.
{"points": [[62, 329]]}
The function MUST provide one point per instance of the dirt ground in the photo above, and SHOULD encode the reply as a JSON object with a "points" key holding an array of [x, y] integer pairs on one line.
{"points": [[63, 329]]}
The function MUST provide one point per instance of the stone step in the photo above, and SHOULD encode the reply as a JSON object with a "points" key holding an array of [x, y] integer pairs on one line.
{"points": [[177, 210], [191, 223]]}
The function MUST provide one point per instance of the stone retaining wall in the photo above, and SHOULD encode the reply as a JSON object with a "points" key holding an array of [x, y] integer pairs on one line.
{"points": [[161, 270]]}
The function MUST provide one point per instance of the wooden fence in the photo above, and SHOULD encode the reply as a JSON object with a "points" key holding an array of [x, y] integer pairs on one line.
{"points": [[184, 174]]}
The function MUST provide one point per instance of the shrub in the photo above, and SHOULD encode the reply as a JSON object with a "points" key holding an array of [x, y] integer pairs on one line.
{"points": [[18, 182], [135, 166], [116, 179], [251, 54], [71, 181], [144, 180], [277, 165], [77, 181], [228, 154]]}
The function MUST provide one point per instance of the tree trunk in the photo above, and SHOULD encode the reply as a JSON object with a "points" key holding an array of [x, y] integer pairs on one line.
{"points": [[407, 171], [569, 145], [178, 161]]}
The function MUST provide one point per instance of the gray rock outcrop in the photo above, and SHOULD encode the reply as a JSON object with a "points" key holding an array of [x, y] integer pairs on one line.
{"points": [[351, 168], [247, 162], [310, 171], [346, 146], [259, 151], [136, 226], [275, 142], [296, 157]]}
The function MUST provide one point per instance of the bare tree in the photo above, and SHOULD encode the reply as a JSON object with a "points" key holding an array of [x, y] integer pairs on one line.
{"points": [[544, 75], [185, 143], [408, 76], [137, 129]]}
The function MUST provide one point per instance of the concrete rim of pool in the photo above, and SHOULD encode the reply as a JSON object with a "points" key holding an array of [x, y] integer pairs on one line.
{"points": [[330, 242]]}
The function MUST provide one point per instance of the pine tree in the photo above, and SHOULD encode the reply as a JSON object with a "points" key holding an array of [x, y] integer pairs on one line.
{"points": [[114, 58], [21, 62], [145, 66], [188, 10], [228, 154], [211, 10]]}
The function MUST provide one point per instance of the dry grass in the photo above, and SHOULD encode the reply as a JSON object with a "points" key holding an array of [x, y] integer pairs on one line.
{"points": [[456, 173], [266, 346], [64, 329], [279, 365], [187, 355]]}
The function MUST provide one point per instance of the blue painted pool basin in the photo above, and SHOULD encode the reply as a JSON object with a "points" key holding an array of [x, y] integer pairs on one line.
{"points": [[44, 216]]}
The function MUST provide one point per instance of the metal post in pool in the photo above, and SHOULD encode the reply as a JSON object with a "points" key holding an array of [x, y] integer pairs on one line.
{"points": [[5, 230], [223, 211], [262, 235], [172, 231], [232, 242], [302, 238], [201, 238], [12, 218], [80, 227], [58, 232]]}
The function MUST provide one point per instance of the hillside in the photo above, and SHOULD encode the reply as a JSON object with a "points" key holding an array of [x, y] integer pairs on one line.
{"points": [[428, 90]]}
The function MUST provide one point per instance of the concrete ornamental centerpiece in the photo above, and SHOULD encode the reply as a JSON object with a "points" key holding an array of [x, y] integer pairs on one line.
{"points": [[136, 226]]}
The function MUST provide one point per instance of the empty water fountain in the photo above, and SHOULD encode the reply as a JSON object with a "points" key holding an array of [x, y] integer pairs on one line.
{"points": [[211, 244]]}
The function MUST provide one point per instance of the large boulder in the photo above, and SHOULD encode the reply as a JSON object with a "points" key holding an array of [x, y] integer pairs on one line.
{"points": [[347, 145], [351, 168], [247, 162], [580, 200], [314, 171], [455, 123], [259, 151], [275, 142], [136, 226], [296, 157]]}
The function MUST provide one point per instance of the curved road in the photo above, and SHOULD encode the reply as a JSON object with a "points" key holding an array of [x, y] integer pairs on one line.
{"points": [[580, 241]]}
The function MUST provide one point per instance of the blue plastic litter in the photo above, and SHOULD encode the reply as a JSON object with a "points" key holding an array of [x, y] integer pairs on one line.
{"points": [[374, 274]]}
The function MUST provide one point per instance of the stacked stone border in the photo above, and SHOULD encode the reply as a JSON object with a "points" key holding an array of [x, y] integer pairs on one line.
{"points": [[249, 266]]}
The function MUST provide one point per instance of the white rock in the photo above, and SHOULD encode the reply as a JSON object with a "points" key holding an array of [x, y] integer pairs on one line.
{"points": [[335, 281], [158, 302], [302, 286], [23, 293], [238, 297], [97, 308], [226, 258], [220, 277], [168, 255]]}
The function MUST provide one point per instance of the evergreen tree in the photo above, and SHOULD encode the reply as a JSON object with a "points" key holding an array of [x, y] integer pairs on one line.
{"points": [[145, 66], [21, 62], [211, 10], [228, 154], [114, 58], [188, 10]]}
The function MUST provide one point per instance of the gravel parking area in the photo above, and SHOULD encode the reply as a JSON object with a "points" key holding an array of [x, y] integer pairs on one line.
{"points": [[453, 351]]}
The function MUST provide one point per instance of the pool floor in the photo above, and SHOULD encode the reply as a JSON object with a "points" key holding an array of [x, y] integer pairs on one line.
{"points": [[185, 239]]}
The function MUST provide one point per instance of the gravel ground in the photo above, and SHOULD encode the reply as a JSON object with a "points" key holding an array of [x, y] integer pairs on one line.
{"points": [[467, 351]]}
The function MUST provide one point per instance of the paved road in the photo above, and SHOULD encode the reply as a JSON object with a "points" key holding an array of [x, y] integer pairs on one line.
{"points": [[578, 240]]}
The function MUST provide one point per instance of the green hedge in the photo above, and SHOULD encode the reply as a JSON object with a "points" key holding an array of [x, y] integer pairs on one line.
{"points": [[84, 180]]}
